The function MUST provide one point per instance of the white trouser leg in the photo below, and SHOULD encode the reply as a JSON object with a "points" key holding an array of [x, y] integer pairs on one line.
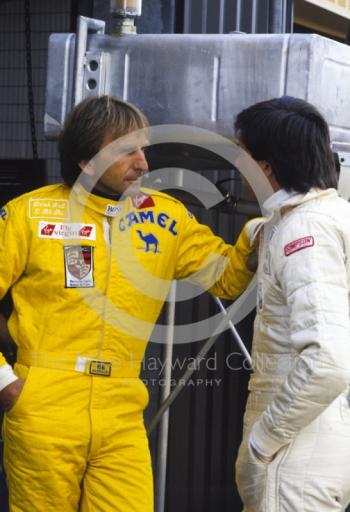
{"points": [[312, 474]]}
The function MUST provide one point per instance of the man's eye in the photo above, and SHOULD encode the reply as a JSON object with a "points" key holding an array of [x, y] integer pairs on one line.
{"points": [[132, 151]]}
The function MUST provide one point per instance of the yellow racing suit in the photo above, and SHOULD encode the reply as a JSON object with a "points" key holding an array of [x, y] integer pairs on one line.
{"points": [[89, 276]]}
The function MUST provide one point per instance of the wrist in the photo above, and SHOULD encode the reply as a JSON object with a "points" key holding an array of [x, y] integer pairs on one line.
{"points": [[7, 376]]}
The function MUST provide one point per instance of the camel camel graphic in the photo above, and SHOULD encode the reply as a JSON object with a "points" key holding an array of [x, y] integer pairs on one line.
{"points": [[149, 240]]}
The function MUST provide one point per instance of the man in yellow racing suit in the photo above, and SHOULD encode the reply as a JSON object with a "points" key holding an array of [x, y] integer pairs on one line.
{"points": [[89, 273]]}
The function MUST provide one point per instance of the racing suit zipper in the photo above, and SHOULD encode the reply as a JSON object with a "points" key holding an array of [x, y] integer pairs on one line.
{"points": [[107, 230]]}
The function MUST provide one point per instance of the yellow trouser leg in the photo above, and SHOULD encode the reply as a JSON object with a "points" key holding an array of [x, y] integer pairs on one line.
{"points": [[46, 442], [73, 443], [119, 473]]}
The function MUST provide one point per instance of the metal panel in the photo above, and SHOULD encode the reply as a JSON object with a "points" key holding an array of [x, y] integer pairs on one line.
{"points": [[220, 75], [210, 67], [323, 58]]}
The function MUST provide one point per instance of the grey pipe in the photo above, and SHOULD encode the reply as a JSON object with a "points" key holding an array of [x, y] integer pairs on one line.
{"points": [[277, 15], [191, 369], [165, 392]]}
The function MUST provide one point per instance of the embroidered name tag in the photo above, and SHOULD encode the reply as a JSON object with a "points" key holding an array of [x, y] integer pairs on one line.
{"points": [[299, 245], [112, 210], [49, 208]]}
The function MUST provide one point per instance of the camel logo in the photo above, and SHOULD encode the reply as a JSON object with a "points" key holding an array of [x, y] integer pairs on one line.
{"points": [[150, 242]]}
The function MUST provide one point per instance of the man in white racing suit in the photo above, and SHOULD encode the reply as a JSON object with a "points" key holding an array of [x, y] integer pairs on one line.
{"points": [[295, 453]]}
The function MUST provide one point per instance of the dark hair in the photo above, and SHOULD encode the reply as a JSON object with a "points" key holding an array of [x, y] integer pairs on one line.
{"points": [[293, 137], [87, 126]]}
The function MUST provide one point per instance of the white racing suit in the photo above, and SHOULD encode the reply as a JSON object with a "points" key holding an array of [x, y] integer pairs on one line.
{"points": [[297, 407]]}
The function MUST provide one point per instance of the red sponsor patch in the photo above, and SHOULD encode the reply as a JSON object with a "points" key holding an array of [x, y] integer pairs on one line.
{"points": [[142, 201], [67, 231], [85, 231], [48, 229], [299, 245]]}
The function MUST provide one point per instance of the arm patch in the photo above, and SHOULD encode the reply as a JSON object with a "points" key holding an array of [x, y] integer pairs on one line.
{"points": [[299, 245]]}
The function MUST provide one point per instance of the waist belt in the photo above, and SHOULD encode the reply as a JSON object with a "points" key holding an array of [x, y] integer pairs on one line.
{"points": [[88, 365]]}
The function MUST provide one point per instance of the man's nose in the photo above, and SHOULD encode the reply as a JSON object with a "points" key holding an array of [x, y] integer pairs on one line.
{"points": [[140, 159]]}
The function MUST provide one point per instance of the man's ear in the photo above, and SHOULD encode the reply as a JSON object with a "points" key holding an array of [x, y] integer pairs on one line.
{"points": [[266, 168], [86, 167]]}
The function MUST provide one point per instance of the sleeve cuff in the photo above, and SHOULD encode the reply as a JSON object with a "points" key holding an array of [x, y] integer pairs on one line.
{"points": [[256, 447], [7, 376], [264, 443]]}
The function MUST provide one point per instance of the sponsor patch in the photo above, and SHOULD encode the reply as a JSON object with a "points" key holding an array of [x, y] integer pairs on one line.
{"points": [[142, 201], [112, 210], [49, 208], [299, 245], [162, 219], [79, 266], [67, 231], [3, 213], [103, 368]]}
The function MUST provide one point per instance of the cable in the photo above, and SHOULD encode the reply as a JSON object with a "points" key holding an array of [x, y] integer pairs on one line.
{"points": [[27, 27]]}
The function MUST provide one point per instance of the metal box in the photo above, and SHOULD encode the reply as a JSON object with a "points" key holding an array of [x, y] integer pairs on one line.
{"points": [[202, 80]]}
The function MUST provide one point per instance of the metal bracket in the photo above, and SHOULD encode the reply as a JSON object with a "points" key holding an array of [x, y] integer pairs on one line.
{"points": [[84, 26], [344, 159], [343, 151], [344, 176], [96, 74]]}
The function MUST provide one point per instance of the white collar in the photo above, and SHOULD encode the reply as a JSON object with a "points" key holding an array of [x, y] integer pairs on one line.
{"points": [[277, 199], [284, 198]]}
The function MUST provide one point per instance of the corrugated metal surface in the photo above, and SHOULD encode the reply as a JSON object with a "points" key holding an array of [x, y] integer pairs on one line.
{"points": [[47, 16], [223, 16]]}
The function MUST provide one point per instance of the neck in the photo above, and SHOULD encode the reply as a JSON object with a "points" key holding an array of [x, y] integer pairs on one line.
{"points": [[98, 192], [102, 193]]}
